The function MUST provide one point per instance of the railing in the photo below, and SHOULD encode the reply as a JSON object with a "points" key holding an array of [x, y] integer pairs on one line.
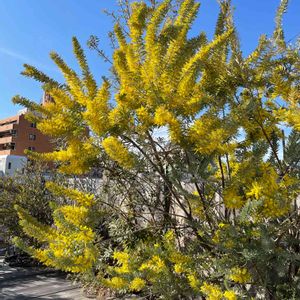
{"points": [[7, 127], [6, 140]]}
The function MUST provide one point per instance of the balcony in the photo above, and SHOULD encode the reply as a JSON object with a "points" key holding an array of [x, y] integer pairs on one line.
{"points": [[5, 152], [6, 140], [7, 127]]}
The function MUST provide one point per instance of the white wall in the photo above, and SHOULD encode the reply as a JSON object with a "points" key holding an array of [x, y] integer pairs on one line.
{"points": [[15, 163], [2, 165]]}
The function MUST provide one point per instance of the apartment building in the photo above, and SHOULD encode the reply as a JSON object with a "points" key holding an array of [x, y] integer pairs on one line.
{"points": [[16, 135]]}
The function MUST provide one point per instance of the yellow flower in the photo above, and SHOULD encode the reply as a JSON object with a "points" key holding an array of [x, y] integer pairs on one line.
{"points": [[230, 295], [144, 117], [221, 225], [273, 208], [124, 269], [240, 275], [117, 283], [177, 257], [255, 191], [81, 198], [178, 268], [117, 151], [137, 284], [165, 117], [212, 291], [74, 214], [193, 281], [121, 257], [155, 264], [169, 236], [215, 141]]}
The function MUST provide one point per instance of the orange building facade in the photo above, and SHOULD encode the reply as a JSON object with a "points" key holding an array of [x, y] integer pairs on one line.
{"points": [[17, 135]]}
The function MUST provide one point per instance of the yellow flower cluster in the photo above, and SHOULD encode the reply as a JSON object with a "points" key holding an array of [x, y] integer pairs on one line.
{"points": [[272, 190], [267, 184], [218, 233], [74, 214], [69, 244], [169, 237], [121, 257], [194, 282], [75, 159], [232, 199], [230, 295], [268, 187], [291, 113], [144, 117], [155, 264], [210, 134], [81, 198], [256, 191], [59, 125], [120, 117], [275, 208], [212, 291], [97, 111], [74, 252], [117, 283], [179, 268], [165, 117], [117, 151], [240, 275], [123, 261], [137, 284]]}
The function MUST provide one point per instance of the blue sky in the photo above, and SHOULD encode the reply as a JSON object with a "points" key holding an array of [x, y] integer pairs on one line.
{"points": [[30, 29]]}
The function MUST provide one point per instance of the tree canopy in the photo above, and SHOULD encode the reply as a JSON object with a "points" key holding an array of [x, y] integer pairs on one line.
{"points": [[209, 208]]}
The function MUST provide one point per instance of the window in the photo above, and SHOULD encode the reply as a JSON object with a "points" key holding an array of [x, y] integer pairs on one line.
{"points": [[33, 125], [9, 166], [31, 148], [32, 137], [14, 132], [12, 146]]}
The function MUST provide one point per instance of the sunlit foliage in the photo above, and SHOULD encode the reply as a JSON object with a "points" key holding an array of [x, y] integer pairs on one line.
{"points": [[208, 208]]}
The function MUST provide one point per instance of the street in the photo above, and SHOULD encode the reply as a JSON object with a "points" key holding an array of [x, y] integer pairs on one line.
{"points": [[23, 284]]}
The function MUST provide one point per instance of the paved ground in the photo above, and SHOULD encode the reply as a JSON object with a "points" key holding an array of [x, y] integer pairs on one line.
{"points": [[21, 284]]}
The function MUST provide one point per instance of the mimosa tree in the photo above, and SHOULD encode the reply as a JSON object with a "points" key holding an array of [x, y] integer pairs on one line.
{"points": [[209, 207]]}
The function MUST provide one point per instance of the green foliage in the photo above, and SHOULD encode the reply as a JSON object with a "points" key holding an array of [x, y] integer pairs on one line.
{"points": [[29, 191]]}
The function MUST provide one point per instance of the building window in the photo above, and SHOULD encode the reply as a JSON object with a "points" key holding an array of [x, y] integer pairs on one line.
{"points": [[12, 146], [32, 137], [33, 125], [14, 132], [31, 148], [9, 166]]}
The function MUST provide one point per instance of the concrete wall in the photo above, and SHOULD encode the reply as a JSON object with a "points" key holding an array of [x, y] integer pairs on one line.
{"points": [[9, 164]]}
